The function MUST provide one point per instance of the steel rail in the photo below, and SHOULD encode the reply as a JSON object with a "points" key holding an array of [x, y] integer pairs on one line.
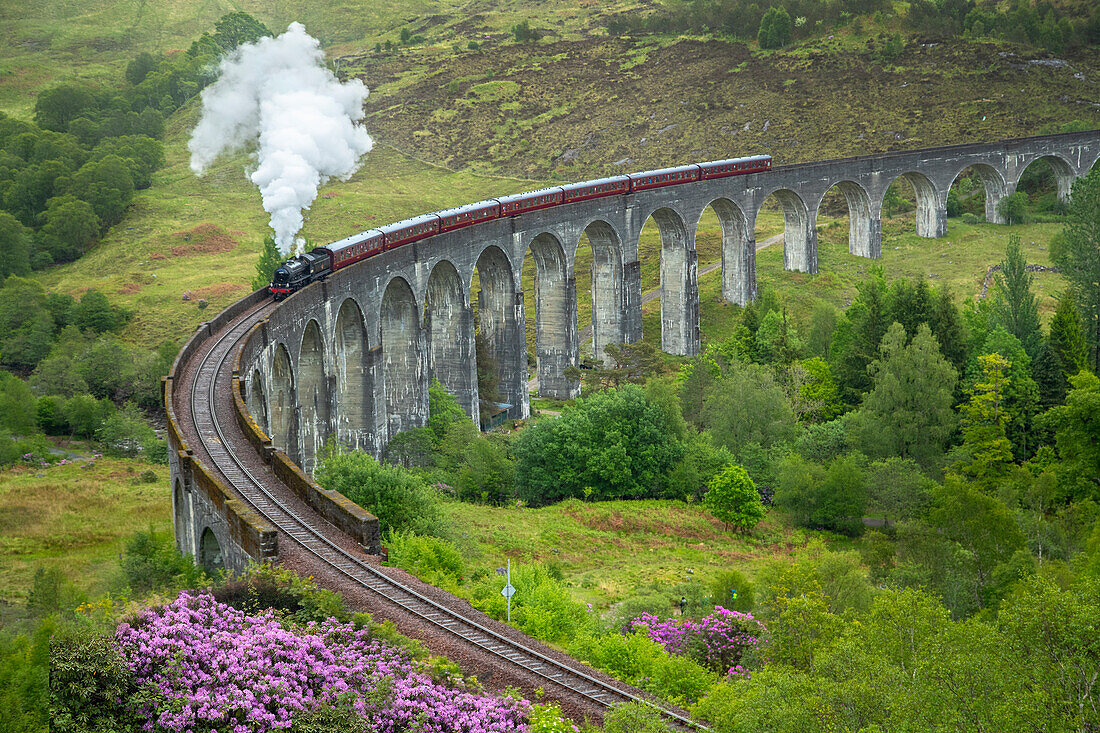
{"points": [[210, 431]]}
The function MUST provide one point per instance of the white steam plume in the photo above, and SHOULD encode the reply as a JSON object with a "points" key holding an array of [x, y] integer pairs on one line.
{"points": [[279, 93]]}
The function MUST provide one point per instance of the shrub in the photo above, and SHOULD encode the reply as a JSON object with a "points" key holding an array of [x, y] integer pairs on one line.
{"points": [[268, 587], [88, 679], [633, 717], [653, 603], [542, 606], [410, 448], [152, 562], [717, 642], [616, 443], [732, 590], [124, 433], [431, 559], [679, 679], [1013, 209], [628, 657], [24, 680], [400, 499], [775, 28]]}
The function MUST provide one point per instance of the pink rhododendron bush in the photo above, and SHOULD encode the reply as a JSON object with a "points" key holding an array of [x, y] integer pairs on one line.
{"points": [[718, 641], [218, 669]]}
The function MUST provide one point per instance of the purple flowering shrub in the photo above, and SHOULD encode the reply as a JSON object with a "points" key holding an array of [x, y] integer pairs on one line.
{"points": [[718, 641], [217, 669]]}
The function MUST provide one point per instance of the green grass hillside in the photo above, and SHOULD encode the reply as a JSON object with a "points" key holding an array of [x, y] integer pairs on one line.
{"points": [[455, 124], [599, 106]]}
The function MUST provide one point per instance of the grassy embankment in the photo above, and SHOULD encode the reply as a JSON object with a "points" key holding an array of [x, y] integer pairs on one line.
{"points": [[75, 518], [606, 550]]}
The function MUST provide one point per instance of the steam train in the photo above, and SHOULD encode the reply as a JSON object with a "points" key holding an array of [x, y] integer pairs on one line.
{"points": [[297, 272]]}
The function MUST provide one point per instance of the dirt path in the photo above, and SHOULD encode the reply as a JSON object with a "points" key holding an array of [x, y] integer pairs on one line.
{"points": [[586, 332]]}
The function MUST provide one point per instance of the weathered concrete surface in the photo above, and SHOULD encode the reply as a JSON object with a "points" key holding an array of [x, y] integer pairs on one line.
{"points": [[385, 326]]}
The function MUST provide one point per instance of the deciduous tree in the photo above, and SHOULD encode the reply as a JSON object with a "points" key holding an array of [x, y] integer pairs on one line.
{"points": [[732, 498], [15, 247], [616, 443], [988, 450]]}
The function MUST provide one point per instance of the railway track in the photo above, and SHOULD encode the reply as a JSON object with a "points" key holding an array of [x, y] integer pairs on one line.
{"points": [[202, 419]]}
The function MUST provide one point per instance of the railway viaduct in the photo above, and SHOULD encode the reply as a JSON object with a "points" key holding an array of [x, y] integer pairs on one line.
{"points": [[351, 358]]}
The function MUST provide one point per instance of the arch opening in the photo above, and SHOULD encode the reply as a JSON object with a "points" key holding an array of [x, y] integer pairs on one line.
{"points": [[402, 359], [550, 316], [283, 403], [1048, 182], [678, 279], [313, 392], [977, 190], [354, 398], [850, 200], [736, 249], [210, 553], [799, 236], [598, 266], [500, 343], [449, 325], [915, 191]]}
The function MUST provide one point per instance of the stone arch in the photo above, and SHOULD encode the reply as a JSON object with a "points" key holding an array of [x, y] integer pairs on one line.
{"points": [[931, 211], [864, 225], [607, 286], [283, 403], [555, 302], [449, 325], [354, 398], [993, 182], [313, 395], [499, 323], [256, 400], [679, 284], [738, 252], [799, 234], [210, 553], [402, 359], [1064, 174]]}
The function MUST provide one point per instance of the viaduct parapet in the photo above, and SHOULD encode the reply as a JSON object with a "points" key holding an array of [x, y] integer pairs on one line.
{"points": [[352, 357]]}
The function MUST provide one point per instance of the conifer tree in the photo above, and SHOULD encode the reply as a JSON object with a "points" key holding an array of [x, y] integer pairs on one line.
{"points": [[1077, 252], [909, 304], [947, 326], [869, 322], [1015, 307], [1066, 339], [1046, 370], [269, 261]]}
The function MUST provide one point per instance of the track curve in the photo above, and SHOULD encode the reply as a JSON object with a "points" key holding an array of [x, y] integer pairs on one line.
{"points": [[202, 406]]}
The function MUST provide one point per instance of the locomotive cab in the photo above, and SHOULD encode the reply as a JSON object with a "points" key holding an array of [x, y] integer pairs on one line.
{"points": [[297, 272]]}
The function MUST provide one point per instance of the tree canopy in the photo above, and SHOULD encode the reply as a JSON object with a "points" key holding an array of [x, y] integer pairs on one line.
{"points": [[732, 498], [615, 443]]}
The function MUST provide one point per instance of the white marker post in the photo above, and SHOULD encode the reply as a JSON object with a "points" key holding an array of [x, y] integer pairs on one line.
{"points": [[508, 591]]}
